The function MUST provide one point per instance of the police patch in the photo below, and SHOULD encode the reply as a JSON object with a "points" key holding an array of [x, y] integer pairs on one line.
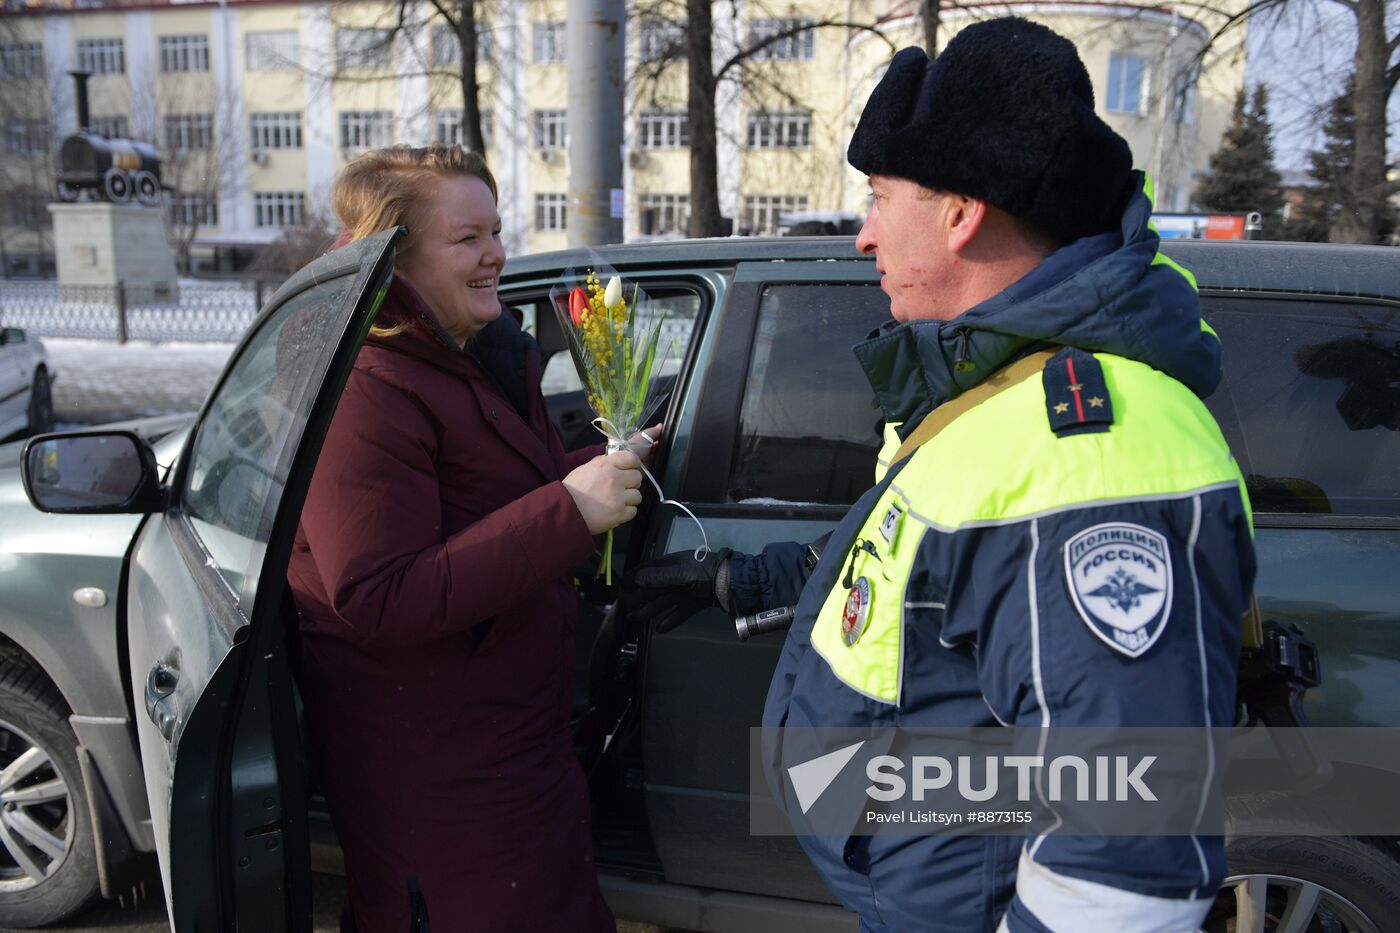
{"points": [[1120, 577]]}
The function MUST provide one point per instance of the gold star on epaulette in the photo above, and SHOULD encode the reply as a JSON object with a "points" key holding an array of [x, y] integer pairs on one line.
{"points": [[1095, 402], [1061, 408]]}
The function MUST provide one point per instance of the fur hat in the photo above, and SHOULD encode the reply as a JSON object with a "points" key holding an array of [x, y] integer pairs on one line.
{"points": [[1005, 115]]}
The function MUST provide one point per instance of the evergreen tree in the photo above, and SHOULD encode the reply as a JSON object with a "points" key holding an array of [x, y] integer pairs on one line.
{"points": [[1333, 169], [1242, 176]]}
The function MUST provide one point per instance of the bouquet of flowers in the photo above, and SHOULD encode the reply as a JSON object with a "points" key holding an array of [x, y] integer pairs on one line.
{"points": [[614, 339]]}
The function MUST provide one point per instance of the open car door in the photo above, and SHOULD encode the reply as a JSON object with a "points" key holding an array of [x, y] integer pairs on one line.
{"points": [[209, 619]]}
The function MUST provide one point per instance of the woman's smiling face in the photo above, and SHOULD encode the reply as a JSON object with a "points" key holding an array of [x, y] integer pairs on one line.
{"points": [[456, 258]]}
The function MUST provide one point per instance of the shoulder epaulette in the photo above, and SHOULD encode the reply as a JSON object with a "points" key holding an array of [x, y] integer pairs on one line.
{"points": [[1076, 395]]}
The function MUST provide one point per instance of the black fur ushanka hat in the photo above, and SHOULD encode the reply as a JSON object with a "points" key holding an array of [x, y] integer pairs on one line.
{"points": [[1005, 115]]}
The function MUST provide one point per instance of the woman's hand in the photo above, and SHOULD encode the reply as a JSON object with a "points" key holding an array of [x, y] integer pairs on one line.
{"points": [[646, 441], [607, 490]]}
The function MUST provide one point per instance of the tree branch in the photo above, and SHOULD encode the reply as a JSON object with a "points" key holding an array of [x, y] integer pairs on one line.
{"points": [[749, 53]]}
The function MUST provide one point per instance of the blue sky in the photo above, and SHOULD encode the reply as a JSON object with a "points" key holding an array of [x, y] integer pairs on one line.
{"points": [[1304, 55]]}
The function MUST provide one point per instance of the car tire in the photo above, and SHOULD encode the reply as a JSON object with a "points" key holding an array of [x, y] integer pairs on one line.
{"points": [[41, 403], [48, 861], [1303, 881]]}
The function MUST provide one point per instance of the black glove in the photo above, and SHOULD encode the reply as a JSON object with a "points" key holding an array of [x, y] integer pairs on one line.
{"points": [[671, 589]]}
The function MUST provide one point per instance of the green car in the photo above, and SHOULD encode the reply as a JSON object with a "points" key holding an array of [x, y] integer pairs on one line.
{"points": [[147, 691]]}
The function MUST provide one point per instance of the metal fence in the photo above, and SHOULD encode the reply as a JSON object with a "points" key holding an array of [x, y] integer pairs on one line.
{"points": [[201, 310]]}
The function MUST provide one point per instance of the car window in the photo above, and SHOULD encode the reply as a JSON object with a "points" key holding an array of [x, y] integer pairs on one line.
{"points": [[678, 309], [809, 425], [1314, 391], [241, 449]]}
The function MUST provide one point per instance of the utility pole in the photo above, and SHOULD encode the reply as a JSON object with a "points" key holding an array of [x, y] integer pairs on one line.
{"points": [[594, 60]]}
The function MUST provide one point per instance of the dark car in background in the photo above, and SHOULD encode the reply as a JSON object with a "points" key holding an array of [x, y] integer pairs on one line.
{"points": [[189, 666]]}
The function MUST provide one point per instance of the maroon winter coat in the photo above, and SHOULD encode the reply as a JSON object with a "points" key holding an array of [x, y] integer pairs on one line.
{"points": [[432, 571]]}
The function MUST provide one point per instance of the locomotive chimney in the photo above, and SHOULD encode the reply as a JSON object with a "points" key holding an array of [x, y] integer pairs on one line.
{"points": [[80, 79]]}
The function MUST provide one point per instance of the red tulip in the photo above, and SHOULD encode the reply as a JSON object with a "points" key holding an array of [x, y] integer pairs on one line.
{"points": [[578, 306]]}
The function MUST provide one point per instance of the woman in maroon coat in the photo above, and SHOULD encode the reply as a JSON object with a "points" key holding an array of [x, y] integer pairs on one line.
{"points": [[432, 571]]}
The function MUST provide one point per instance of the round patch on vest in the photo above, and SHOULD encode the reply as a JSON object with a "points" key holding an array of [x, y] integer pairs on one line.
{"points": [[1120, 576], [857, 611]]}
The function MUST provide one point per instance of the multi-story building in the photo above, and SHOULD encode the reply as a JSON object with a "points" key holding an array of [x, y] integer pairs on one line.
{"points": [[256, 104]]}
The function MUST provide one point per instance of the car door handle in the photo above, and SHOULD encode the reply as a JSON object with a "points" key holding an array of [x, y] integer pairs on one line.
{"points": [[160, 685]]}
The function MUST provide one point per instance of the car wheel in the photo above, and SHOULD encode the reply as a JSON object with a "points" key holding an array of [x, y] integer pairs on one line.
{"points": [[48, 864], [41, 403], [1306, 884]]}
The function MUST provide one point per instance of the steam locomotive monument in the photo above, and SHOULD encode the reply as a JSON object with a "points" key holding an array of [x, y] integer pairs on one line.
{"points": [[109, 233]]}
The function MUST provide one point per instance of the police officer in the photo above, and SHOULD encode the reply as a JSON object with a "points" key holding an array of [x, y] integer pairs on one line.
{"points": [[1058, 535]]}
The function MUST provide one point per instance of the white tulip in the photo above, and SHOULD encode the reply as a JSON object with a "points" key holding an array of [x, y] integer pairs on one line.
{"points": [[612, 295]]}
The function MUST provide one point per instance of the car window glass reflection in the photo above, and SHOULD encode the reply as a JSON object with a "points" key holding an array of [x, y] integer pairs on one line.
{"points": [[1316, 393], [810, 428], [243, 450]]}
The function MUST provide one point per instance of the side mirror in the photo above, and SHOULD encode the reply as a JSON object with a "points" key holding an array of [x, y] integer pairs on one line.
{"points": [[11, 335], [91, 473]]}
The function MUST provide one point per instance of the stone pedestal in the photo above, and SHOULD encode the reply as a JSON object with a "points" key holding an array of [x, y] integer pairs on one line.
{"points": [[99, 245]]}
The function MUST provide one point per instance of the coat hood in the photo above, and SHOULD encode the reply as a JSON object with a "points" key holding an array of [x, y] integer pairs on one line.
{"points": [[1110, 293]]}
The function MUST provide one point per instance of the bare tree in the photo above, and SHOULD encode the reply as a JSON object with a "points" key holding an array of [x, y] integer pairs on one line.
{"points": [[748, 65]]}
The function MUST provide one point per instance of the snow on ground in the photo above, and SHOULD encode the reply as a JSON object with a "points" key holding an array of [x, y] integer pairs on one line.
{"points": [[101, 380]]}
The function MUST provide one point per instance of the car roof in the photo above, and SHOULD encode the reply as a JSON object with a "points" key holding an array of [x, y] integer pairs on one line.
{"points": [[1312, 268]]}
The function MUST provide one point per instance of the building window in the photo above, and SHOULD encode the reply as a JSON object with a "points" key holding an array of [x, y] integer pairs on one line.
{"points": [[780, 129], [19, 60], [275, 131], [1184, 98], [663, 213], [550, 211], [447, 51], [28, 209], [184, 53], [551, 129], [113, 127], [1127, 75], [277, 208], [795, 42], [761, 211], [189, 131], [192, 210], [549, 43], [101, 56], [663, 129], [662, 40], [366, 129], [27, 137], [271, 51], [364, 48], [447, 127]]}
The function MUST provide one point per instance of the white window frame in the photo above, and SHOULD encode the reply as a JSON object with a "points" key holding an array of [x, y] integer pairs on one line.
{"points": [[447, 127], [101, 56], [663, 129], [365, 129], [278, 209], [28, 136], [28, 209], [20, 61], [551, 212], [672, 211], [364, 48], [280, 130], [762, 211], [1120, 83], [180, 54], [551, 129], [113, 126], [271, 50], [548, 39], [192, 210], [799, 47], [446, 51], [189, 132], [779, 129]]}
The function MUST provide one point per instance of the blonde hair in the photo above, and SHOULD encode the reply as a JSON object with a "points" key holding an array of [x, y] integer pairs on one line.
{"points": [[392, 187]]}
